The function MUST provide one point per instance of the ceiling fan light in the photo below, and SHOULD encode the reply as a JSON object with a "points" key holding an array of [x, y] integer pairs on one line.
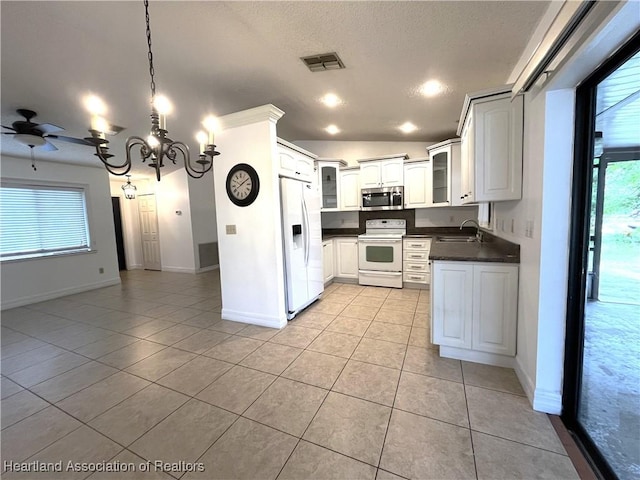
{"points": [[29, 140]]}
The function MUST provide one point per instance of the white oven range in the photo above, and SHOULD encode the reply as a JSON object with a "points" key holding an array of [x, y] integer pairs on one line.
{"points": [[380, 253]]}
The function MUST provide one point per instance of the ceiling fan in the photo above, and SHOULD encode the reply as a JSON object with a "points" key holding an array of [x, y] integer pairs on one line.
{"points": [[34, 134]]}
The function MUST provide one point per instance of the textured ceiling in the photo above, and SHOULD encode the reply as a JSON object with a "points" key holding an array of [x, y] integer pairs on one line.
{"points": [[222, 57]]}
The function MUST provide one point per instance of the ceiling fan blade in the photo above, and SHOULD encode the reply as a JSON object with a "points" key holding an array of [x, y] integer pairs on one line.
{"points": [[8, 128], [62, 138], [49, 147], [48, 128]]}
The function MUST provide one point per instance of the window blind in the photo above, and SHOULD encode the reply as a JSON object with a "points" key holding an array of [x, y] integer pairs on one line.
{"points": [[42, 220]]}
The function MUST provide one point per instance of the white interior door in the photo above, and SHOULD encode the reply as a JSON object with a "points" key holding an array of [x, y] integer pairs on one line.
{"points": [[149, 232]]}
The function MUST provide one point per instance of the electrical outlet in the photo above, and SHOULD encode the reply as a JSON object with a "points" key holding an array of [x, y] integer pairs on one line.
{"points": [[513, 225], [451, 219], [231, 230], [101, 270]]}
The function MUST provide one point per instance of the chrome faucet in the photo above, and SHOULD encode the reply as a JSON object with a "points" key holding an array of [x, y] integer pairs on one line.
{"points": [[478, 232]]}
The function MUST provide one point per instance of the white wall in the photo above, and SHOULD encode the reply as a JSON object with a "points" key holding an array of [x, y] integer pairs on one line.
{"points": [[546, 200], [444, 216], [35, 280], [251, 261], [174, 223], [352, 151]]}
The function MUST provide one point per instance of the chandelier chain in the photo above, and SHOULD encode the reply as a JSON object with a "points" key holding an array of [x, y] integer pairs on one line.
{"points": [[150, 54]]}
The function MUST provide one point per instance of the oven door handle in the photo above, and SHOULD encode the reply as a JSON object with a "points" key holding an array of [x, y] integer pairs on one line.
{"points": [[378, 273], [380, 241]]}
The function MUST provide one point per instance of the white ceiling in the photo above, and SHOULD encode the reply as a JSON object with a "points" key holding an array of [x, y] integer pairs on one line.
{"points": [[222, 57]]}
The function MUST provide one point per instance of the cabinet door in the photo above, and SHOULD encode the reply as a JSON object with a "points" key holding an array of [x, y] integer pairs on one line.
{"points": [[467, 161], [370, 175], [346, 252], [417, 186], [327, 260], [304, 168], [495, 305], [392, 173], [328, 182], [295, 164], [350, 190], [498, 150], [451, 301], [441, 176]]}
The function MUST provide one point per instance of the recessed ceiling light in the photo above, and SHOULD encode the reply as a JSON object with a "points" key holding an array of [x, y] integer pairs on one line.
{"points": [[408, 127], [332, 129], [432, 88], [331, 100]]}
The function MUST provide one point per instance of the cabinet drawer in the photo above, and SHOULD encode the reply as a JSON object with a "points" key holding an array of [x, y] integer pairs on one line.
{"points": [[415, 267], [416, 256], [417, 244], [415, 277]]}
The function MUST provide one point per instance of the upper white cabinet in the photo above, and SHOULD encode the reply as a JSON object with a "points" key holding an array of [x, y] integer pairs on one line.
{"points": [[417, 183], [491, 128], [385, 171], [329, 183], [295, 161], [445, 173], [349, 188]]}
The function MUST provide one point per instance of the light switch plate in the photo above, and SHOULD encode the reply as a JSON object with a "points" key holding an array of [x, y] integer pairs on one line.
{"points": [[231, 229]]}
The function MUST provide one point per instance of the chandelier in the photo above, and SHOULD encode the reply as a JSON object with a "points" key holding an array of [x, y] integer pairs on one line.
{"points": [[157, 148], [129, 189]]}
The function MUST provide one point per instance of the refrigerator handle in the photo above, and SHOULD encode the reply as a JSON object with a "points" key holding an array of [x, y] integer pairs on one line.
{"points": [[305, 214]]}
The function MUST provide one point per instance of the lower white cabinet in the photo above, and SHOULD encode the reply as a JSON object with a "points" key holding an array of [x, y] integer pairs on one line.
{"points": [[474, 307], [415, 261], [327, 260], [346, 257]]}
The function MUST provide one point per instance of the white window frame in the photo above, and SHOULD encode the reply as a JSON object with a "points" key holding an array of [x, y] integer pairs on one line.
{"points": [[30, 255]]}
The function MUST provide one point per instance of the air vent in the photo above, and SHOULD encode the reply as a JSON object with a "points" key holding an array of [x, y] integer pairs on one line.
{"points": [[324, 61]]}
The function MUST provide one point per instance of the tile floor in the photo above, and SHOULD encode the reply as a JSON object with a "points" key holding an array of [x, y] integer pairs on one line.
{"points": [[147, 371]]}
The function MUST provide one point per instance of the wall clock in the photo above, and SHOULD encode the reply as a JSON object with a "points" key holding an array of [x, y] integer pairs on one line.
{"points": [[243, 184]]}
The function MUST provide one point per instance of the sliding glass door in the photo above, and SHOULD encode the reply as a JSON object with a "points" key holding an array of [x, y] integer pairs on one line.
{"points": [[602, 362]]}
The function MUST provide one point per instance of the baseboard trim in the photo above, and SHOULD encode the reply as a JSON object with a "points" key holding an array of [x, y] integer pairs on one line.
{"points": [[525, 380], [254, 318], [208, 269], [547, 401], [478, 357], [178, 269], [43, 297]]}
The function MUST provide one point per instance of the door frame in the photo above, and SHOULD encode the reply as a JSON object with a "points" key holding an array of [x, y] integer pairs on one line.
{"points": [[579, 249], [119, 231]]}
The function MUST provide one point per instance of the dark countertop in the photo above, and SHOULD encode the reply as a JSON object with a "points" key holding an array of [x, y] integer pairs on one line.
{"points": [[493, 250], [328, 233]]}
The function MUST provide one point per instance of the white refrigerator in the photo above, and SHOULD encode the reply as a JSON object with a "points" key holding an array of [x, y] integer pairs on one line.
{"points": [[302, 239]]}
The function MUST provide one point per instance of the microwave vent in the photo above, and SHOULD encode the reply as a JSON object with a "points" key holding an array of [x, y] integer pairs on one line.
{"points": [[322, 62]]}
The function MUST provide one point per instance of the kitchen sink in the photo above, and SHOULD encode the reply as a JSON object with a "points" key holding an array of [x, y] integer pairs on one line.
{"points": [[456, 239]]}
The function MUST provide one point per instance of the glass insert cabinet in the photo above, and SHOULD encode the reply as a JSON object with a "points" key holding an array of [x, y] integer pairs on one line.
{"points": [[328, 181]]}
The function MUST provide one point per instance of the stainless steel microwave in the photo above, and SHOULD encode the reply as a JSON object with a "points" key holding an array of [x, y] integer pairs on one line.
{"points": [[385, 198]]}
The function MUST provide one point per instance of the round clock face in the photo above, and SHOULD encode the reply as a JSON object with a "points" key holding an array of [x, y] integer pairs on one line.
{"points": [[242, 184]]}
